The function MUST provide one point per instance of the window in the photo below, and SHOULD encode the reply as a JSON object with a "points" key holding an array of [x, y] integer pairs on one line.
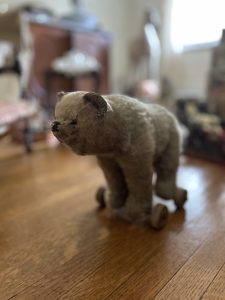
{"points": [[196, 22]]}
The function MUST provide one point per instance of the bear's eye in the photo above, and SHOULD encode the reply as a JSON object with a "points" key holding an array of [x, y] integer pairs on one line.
{"points": [[73, 122]]}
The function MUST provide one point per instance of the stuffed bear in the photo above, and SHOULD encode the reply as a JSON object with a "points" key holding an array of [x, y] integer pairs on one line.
{"points": [[131, 141]]}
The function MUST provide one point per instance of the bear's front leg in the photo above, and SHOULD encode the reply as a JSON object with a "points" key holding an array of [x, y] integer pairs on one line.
{"points": [[117, 189], [138, 173]]}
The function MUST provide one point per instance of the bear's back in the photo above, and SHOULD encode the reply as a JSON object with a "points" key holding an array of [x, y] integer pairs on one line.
{"points": [[147, 122]]}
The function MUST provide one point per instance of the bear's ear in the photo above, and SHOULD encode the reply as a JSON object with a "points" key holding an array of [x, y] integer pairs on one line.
{"points": [[97, 101], [60, 95]]}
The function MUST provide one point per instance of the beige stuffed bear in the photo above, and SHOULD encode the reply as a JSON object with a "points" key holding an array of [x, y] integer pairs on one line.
{"points": [[131, 140]]}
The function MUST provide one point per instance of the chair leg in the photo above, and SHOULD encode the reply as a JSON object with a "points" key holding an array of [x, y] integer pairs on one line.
{"points": [[27, 136]]}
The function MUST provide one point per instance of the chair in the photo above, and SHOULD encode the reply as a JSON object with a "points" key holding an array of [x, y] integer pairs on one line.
{"points": [[12, 108]]}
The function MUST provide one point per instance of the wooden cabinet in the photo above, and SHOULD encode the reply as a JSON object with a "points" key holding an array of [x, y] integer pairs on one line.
{"points": [[97, 45], [52, 40]]}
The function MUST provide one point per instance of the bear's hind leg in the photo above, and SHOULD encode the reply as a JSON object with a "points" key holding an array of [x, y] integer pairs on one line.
{"points": [[166, 169], [165, 186]]}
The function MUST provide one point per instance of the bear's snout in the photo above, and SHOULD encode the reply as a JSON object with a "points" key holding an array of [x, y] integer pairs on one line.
{"points": [[55, 126]]}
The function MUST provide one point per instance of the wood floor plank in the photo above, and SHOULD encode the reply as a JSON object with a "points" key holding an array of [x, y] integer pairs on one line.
{"points": [[54, 245], [33, 256], [191, 281], [216, 290], [179, 250], [31, 230], [149, 279]]}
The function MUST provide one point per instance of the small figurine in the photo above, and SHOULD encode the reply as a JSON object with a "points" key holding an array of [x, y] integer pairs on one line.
{"points": [[131, 140]]}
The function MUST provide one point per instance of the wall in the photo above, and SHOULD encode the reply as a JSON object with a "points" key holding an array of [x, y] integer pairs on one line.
{"points": [[188, 70], [116, 17]]}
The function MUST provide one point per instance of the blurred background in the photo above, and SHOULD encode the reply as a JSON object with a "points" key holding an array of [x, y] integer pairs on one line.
{"points": [[170, 52]]}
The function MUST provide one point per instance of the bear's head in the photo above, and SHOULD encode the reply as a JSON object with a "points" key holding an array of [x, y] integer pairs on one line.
{"points": [[84, 122]]}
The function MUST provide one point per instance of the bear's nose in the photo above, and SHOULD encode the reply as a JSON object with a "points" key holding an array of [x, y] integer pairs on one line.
{"points": [[55, 126]]}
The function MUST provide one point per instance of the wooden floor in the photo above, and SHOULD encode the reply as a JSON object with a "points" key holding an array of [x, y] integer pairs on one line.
{"points": [[55, 245]]}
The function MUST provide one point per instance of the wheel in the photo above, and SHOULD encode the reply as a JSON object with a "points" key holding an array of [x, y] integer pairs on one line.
{"points": [[181, 198], [100, 197], [159, 216]]}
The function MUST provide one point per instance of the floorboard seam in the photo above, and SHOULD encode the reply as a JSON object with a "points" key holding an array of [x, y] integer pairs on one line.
{"points": [[179, 269], [212, 281]]}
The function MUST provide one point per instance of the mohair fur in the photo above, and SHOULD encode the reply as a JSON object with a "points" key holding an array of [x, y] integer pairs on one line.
{"points": [[130, 139]]}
